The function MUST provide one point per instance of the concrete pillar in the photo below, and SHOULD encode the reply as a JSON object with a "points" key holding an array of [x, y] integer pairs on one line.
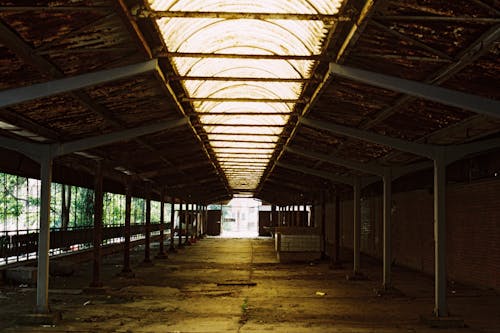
{"points": [[147, 228], [42, 286], [171, 247], [97, 231], [357, 225], [387, 260], [126, 231], [440, 305]]}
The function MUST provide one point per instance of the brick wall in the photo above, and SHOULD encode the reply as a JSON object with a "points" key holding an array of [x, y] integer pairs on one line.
{"points": [[473, 231]]}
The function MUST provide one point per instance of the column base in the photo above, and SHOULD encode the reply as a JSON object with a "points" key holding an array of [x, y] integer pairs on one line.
{"points": [[356, 276], [126, 274], [95, 290], [146, 263], [442, 322], [388, 291], [161, 255], [37, 319], [172, 249], [335, 265]]}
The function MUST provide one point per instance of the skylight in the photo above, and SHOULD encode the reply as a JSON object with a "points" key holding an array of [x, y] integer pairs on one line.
{"points": [[243, 65]]}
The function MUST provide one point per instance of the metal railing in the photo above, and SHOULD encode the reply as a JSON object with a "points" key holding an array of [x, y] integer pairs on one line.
{"points": [[20, 245]]}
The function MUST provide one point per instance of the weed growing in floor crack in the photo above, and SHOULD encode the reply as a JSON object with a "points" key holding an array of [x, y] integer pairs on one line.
{"points": [[244, 311]]}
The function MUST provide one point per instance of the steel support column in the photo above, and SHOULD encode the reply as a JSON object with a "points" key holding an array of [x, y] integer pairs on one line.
{"points": [[357, 225], [181, 219], [387, 180], [440, 305], [323, 224], [274, 216], [171, 247], [147, 229], [126, 232], [42, 286], [161, 247], [189, 219], [97, 232], [336, 246]]}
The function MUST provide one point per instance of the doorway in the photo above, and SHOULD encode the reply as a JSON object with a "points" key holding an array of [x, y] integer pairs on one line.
{"points": [[240, 218]]}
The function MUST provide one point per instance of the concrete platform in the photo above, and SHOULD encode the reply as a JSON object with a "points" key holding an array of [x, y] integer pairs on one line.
{"points": [[189, 293]]}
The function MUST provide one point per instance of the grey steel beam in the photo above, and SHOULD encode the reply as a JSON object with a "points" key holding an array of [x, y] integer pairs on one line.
{"points": [[404, 170], [292, 186], [29, 149], [454, 153], [242, 99], [24, 94], [409, 39], [241, 56], [445, 96], [104, 9], [474, 51], [142, 12], [364, 167], [242, 78], [410, 147], [101, 140], [443, 19], [317, 173]]}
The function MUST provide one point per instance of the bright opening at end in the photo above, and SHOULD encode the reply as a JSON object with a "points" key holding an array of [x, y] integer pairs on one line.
{"points": [[240, 218]]}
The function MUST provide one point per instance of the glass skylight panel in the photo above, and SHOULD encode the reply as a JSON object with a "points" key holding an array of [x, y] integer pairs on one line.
{"points": [[237, 47], [244, 129], [244, 138], [244, 120], [233, 107]]}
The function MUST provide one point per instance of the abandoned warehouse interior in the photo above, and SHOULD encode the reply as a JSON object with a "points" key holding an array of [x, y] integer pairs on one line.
{"points": [[368, 130]]}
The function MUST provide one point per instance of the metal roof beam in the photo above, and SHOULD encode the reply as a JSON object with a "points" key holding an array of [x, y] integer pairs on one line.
{"points": [[445, 19], [40, 90], [317, 173], [357, 27], [410, 147], [101, 140], [363, 167], [142, 12], [233, 78], [105, 9], [239, 56], [241, 99], [458, 152], [445, 96]]}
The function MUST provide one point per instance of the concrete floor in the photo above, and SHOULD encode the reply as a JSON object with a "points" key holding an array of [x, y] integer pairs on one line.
{"points": [[202, 289]]}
